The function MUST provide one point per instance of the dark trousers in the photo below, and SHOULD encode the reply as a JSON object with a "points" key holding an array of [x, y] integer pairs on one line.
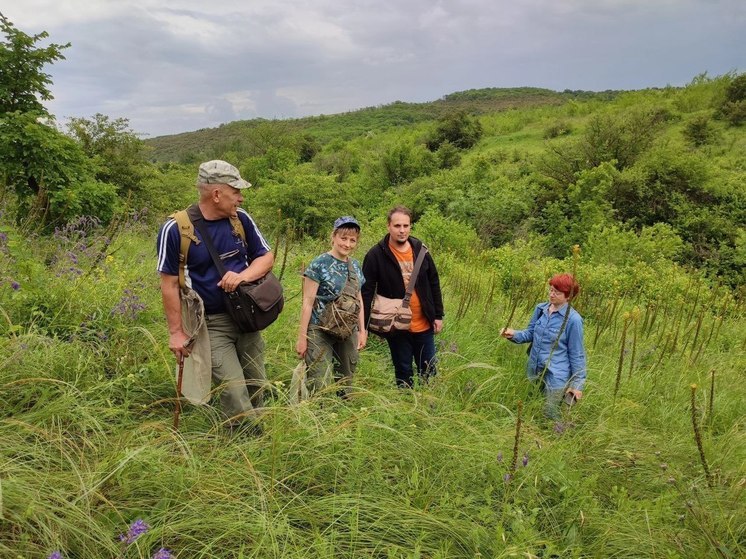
{"points": [[406, 347]]}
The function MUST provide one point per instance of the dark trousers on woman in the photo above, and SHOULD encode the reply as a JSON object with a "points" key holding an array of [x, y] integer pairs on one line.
{"points": [[407, 347]]}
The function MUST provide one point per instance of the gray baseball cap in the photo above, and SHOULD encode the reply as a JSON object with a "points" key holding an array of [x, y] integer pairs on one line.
{"points": [[220, 172]]}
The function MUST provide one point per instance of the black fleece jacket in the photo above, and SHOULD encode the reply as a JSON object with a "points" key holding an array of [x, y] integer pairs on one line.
{"points": [[383, 275]]}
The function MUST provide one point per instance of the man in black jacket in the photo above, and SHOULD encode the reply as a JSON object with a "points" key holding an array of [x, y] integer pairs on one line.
{"points": [[387, 268]]}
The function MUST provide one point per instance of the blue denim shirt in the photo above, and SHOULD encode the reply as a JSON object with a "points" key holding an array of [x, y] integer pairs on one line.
{"points": [[567, 363]]}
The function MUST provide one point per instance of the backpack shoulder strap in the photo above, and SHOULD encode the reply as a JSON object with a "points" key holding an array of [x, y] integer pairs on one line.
{"points": [[186, 232], [238, 227]]}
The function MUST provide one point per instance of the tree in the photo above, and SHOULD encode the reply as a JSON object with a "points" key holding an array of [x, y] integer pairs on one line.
{"points": [[23, 83], [50, 174], [115, 148], [458, 128]]}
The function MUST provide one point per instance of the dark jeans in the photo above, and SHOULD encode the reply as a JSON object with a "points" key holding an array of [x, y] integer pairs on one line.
{"points": [[406, 347]]}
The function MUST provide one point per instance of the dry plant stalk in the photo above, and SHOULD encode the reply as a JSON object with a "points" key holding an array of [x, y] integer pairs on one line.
{"points": [[712, 395], [621, 353], [517, 438], [635, 320], [698, 436]]}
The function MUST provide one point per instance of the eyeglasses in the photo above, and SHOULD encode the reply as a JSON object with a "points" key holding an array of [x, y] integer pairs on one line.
{"points": [[554, 291]]}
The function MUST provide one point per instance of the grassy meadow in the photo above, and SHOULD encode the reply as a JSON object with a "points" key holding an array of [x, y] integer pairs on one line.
{"points": [[464, 467]]}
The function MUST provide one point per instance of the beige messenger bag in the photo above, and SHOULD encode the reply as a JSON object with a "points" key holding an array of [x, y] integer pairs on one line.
{"points": [[388, 315]]}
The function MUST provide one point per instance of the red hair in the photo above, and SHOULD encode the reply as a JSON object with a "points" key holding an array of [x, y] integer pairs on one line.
{"points": [[566, 283]]}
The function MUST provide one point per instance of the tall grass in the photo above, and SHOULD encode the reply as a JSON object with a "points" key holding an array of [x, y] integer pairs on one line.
{"points": [[86, 385]]}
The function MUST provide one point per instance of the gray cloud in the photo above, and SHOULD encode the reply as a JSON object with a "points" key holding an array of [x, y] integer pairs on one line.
{"points": [[184, 66]]}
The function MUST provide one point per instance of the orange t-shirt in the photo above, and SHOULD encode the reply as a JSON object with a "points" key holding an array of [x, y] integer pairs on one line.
{"points": [[406, 263]]}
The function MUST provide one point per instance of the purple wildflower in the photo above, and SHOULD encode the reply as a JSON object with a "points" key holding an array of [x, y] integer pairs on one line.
{"points": [[55, 555], [525, 460], [129, 306], [15, 285], [506, 477], [136, 529], [163, 553], [500, 457]]}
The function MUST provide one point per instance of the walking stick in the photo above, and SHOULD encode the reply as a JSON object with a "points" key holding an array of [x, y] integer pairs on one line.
{"points": [[177, 409]]}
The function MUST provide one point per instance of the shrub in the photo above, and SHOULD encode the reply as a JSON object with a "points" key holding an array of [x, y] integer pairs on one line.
{"points": [[699, 131], [442, 234], [734, 106], [556, 129], [309, 201], [460, 129]]}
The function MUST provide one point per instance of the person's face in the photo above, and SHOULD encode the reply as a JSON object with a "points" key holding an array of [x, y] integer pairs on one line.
{"points": [[556, 298], [344, 242], [227, 200], [399, 227]]}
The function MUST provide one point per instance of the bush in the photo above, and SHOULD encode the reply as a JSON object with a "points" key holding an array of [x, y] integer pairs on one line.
{"points": [[309, 201], [699, 131], [613, 245], [734, 106], [460, 129], [442, 234], [557, 129]]}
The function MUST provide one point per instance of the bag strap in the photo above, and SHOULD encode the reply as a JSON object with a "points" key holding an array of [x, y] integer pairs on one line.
{"points": [[186, 233], [413, 277], [195, 215]]}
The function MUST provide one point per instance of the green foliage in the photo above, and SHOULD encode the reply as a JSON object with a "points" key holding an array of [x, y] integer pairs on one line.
{"points": [[459, 129], [310, 202], [733, 108], [662, 186], [403, 162], [23, 82], [699, 131], [447, 235], [586, 206], [116, 149], [448, 155], [619, 138], [653, 245], [52, 178], [557, 129], [338, 159], [270, 165]]}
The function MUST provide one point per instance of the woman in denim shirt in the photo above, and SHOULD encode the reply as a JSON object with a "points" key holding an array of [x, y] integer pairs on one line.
{"points": [[557, 356]]}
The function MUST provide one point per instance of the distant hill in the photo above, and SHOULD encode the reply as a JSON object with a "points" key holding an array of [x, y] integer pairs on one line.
{"points": [[190, 146]]}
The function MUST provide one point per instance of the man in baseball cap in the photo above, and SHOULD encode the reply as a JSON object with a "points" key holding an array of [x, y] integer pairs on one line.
{"points": [[232, 358]]}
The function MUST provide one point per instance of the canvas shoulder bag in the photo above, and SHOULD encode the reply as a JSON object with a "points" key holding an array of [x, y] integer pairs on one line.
{"points": [[253, 305], [388, 315], [340, 316]]}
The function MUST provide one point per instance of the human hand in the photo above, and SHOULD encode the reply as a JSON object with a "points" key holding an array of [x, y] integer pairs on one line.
{"points": [[437, 325], [301, 347], [230, 281], [507, 333], [362, 339], [575, 392], [177, 343]]}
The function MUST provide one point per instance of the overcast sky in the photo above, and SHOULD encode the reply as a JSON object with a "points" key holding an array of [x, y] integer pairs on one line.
{"points": [[173, 66]]}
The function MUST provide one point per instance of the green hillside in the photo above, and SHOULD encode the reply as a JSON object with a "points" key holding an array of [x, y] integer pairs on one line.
{"points": [[325, 128]]}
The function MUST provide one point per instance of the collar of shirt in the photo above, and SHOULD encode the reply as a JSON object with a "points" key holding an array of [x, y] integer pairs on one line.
{"points": [[562, 310]]}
